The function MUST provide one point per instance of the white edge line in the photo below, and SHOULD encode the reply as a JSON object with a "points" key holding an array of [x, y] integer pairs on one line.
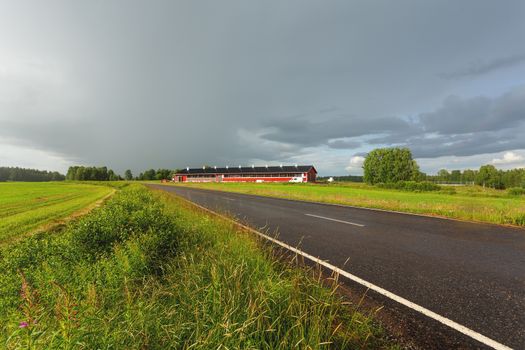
{"points": [[336, 220], [356, 207], [431, 314]]}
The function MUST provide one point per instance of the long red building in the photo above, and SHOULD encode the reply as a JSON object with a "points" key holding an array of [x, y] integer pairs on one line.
{"points": [[287, 173]]}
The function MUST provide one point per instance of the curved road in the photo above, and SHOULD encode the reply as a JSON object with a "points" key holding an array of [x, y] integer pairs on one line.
{"points": [[473, 274]]}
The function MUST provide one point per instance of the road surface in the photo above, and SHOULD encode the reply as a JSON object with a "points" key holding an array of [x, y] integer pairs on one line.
{"points": [[470, 273]]}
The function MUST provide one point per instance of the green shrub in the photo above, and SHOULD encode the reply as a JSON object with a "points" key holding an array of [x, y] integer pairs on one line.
{"points": [[516, 191]]}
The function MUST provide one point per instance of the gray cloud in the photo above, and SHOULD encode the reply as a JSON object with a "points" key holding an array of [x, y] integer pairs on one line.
{"points": [[483, 67], [344, 144], [458, 115], [465, 127], [460, 127], [135, 84], [313, 130]]}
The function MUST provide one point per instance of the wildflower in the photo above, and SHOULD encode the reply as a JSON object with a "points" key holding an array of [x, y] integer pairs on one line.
{"points": [[23, 325]]}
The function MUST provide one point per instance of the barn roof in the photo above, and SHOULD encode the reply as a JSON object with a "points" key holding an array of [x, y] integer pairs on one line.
{"points": [[247, 170]]}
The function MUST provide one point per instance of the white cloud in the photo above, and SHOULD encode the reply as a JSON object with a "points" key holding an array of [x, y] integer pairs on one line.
{"points": [[356, 165], [508, 158]]}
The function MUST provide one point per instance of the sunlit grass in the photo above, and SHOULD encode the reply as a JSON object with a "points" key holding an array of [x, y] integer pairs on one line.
{"points": [[472, 203], [25, 206], [149, 271]]}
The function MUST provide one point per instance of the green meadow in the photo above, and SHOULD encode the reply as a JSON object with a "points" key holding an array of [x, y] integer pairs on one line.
{"points": [[147, 270], [27, 206], [472, 203]]}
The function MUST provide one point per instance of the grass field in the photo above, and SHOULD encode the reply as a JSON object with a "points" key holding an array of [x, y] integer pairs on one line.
{"points": [[150, 271], [471, 203], [26, 206]]}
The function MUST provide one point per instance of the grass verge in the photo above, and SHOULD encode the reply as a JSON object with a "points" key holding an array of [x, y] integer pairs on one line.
{"points": [[147, 270], [467, 203]]}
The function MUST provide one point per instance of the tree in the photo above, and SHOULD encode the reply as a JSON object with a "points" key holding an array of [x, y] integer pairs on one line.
{"points": [[112, 176], [419, 175], [128, 175], [163, 174], [149, 175], [469, 175], [443, 175], [489, 176], [513, 178], [390, 165], [455, 176], [81, 173]]}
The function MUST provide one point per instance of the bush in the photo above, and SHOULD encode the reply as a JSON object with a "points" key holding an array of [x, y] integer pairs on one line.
{"points": [[516, 191], [131, 213], [412, 186]]}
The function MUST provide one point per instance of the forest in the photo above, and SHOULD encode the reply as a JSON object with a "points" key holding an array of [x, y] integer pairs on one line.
{"points": [[29, 175]]}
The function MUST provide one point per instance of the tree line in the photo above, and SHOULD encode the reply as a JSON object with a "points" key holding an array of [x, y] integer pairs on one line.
{"points": [[30, 175], [152, 174], [392, 165], [486, 176], [88, 173], [91, 173]]}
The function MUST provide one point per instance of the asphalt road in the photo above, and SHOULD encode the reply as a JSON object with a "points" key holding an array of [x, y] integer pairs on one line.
{"points": [[473, 274]]}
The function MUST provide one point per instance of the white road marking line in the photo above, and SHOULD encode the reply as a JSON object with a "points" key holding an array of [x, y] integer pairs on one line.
{"points": [[229, 199], [336, 220], [431, 314]]}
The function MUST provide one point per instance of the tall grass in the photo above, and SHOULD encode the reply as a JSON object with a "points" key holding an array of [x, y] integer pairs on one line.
{"points": [[146, 271]]}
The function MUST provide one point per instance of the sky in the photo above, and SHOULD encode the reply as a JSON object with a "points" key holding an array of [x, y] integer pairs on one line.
{"points": [[170, 84]]}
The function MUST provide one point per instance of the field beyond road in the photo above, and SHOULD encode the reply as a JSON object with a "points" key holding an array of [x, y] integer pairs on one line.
{"points": [[26, 206], [471, 203]]}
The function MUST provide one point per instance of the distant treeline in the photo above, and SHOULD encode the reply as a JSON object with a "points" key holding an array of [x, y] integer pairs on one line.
{"points": [[91, 173], [31, 175], [346, 178], [487, 176], [83, 173], [152, 174]]}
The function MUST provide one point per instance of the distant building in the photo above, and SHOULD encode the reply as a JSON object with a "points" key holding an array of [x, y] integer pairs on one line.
{"points": [[287, 173]]}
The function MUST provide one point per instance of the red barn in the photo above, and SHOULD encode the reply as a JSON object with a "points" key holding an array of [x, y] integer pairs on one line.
{"points": [[287, 173]]}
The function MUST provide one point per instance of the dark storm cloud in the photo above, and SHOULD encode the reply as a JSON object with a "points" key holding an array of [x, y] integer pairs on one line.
{"points": [[313, 130], [458, 115], [135, 84], [464, 127], [483, 67], [460, 127], [467, 145]]}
